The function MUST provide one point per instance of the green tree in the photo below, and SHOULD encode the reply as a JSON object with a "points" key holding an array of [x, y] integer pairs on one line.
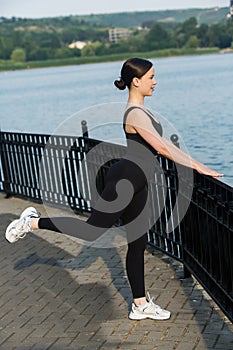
{"points": [[29, 44], [184, 30], [202, 31], [76, 52], [102, 49], [189, 27], [18, 55], [229, 28], [91, 49], [48, 40], [88, 50], [157, 38], [192, 42], [138, 42], [40, 54], [63, 52], [218, 36], [2, 49]]}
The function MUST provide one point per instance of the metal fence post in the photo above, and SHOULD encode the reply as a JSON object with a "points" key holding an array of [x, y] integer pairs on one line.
{"points": [[186, 273], [5, 168], [84, 128], [175, 140], [85, 135]]}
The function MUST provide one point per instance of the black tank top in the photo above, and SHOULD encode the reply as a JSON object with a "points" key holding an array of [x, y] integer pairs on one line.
{"points": [[137, 137]]}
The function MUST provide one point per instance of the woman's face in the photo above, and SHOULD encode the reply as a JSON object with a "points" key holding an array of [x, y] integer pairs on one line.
{"points": [[147, 82]]}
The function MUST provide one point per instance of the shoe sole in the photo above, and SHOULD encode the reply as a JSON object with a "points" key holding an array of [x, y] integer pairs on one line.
{"points": [[26, 212], [150, 317], [143, 317], [11, 240]]}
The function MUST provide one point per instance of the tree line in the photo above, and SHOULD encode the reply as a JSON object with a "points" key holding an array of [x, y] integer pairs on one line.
{"points": [[22, 40]]}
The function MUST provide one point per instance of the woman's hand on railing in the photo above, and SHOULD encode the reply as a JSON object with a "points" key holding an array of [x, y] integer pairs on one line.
{"points": [[205, 170]]}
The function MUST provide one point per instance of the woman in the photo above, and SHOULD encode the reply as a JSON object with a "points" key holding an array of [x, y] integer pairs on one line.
{"points": [[144, 138]]}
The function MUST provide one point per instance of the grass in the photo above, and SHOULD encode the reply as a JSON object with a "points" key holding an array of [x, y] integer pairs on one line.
{"points": [[11, 65]]}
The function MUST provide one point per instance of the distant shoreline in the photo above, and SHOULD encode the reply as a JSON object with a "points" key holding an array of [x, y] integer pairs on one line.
{"points": [[10, 66]]}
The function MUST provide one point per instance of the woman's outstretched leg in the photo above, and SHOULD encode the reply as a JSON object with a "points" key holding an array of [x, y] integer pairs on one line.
{"points": [[89, 230]]}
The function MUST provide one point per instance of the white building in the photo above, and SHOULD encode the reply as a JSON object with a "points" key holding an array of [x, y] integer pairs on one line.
{"points": [[77, 45], [116, 34]]}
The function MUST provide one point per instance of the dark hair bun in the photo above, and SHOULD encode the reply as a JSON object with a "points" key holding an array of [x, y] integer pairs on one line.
{"points": [[120, 84]]}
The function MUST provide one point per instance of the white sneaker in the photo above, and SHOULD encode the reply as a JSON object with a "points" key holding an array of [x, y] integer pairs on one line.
{"points": [[149, 310], [20, 227]]}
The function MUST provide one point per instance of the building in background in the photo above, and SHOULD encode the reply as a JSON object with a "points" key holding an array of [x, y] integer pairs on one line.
{"points": [[116, 34], [77, 45], [230, 14]]}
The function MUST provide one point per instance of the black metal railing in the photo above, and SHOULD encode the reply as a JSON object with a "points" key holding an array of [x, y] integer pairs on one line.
{"points": [[207, 239], [47, 168]]}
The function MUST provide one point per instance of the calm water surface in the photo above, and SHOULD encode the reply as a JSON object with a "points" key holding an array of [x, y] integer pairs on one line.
{"points": [[193, 98]]}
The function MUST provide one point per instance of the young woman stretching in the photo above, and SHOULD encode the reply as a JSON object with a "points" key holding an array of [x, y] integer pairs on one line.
{"points": [[144, 140]]}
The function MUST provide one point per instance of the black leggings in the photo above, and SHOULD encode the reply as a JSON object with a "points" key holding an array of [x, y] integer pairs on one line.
{"points": [[100, 221]]}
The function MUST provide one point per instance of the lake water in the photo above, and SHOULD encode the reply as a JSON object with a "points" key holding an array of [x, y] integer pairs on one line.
{"points": [[193, 98]]}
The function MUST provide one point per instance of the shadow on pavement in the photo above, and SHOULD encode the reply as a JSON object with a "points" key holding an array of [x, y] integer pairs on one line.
{"points": [[205, 317], [43, 303]]}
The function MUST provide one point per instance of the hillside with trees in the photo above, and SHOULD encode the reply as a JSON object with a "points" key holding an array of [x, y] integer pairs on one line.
{"points": [[135, 19], [28, 40]]}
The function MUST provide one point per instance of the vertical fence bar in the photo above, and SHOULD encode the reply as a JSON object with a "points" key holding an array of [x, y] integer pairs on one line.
{"points": [[4, 167]]}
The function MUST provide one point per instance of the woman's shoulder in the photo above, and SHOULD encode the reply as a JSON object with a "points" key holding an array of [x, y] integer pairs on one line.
{"points": [[142, 118], [137, 110], [133, 112], [137, 116]]}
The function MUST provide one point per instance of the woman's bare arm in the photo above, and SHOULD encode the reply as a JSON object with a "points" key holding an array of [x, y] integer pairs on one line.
{"points": [[143, 125]]}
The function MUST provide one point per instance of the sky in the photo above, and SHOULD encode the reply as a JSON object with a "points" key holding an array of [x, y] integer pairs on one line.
{"points": [[53, 8]]}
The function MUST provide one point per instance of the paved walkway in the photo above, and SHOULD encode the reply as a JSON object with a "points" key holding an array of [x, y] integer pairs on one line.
{"points": [[57, 294]]}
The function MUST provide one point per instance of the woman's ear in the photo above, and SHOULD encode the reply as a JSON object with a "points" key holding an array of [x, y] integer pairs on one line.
{"points": [[135, 82]]}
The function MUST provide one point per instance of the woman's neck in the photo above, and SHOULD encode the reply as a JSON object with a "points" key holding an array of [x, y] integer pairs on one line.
{"points": [[136, 99], [135, 102]]}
